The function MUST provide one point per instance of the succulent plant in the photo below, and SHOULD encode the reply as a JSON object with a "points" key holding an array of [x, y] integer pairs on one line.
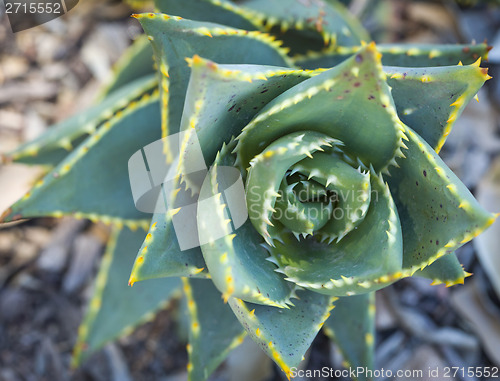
{"points": [[345, 190]]}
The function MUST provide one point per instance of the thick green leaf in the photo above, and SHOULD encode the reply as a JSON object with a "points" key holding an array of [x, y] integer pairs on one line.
{"points": [[160, 254], [366, 259], [445, 270], [350, 102], [314, 24], [400, 55], [237, 262], [438, 213], [430, 100], [302, 26], [222, 99], [230, 95], [422, 55], [220, 12], [214, 331], [175, 39], [55, 144], [285, 334], [93, 182], [352, 327], [115, 309], [136, 62]]}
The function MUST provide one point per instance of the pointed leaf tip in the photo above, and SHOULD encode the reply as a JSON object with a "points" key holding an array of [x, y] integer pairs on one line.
{"points": [[4, 215]]}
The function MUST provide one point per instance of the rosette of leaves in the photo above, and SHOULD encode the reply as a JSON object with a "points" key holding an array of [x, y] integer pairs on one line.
{"points": [[345, 190]]}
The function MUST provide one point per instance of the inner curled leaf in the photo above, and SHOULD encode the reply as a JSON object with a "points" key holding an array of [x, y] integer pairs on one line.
{"points": [[268, 170], [303, 185]]}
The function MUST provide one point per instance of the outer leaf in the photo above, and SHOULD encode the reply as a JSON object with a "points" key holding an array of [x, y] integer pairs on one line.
{"points": [[401, 55], [114, 309], [329, 269], [325, 21], [285, 334], [102, 162], [438, 214], [352, 327], [54, 145], [237, 263], [136, 62], [303, 26], [422, 55], [160, 254], [175, 39], [214, 331], [430, 100], [222, 99], [221, 12], [226, 97], [330, 103], [446, 270]]}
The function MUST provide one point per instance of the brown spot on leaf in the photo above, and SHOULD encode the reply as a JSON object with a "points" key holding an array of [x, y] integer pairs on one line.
{"points": [[17, 217]]}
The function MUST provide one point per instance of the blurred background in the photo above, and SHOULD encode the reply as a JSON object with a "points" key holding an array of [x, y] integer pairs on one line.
{"points": [[52, 71]]}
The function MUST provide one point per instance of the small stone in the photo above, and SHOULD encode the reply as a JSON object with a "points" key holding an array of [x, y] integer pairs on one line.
{"points": [[12, 304]]}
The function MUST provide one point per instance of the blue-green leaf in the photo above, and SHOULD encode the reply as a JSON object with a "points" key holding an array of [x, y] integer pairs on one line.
{"points": [[214, 330], [438, 213], [352, 327], [175, 39], [93, 181], [60, 139], [115, 309], [285, 334]]}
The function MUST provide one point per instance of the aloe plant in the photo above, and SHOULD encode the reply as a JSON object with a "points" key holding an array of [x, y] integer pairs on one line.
{"points": [[338, 152]]}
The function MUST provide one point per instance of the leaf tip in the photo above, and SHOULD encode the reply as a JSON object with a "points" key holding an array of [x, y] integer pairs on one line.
{"points": [[5, 214], [132, 280]]}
